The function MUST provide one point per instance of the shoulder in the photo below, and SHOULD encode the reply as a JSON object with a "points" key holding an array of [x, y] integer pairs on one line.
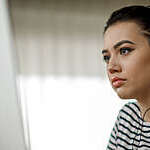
{"points": [[130, 111], [130, 106]]}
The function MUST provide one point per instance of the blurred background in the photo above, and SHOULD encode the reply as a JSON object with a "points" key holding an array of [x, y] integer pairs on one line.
{"points": [[67, 101]]}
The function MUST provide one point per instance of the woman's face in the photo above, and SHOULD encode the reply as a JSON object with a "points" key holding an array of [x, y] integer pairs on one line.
{"points": [[127, 55]]}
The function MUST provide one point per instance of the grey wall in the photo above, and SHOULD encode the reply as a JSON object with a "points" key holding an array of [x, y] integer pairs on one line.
{"points": [[62, 37], [11, 125]]}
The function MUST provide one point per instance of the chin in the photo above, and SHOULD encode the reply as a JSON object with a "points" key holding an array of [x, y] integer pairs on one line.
{"points": [[123, 94]]}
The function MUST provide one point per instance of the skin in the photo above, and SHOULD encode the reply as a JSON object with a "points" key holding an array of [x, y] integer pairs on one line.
{"points": [[134, 65]]}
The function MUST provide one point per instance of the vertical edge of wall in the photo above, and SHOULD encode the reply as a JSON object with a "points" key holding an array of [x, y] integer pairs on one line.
{"points": [[11, 122]]}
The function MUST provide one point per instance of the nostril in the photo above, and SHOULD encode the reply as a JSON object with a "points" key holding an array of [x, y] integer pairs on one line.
{"points": [[114, 69]]}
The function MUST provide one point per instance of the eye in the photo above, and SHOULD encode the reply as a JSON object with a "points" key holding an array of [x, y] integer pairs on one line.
{"points": [[106, 58], [125, 50]]}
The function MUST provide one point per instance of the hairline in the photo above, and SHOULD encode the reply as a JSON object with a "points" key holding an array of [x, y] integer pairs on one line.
{"points": [[143, 32]]}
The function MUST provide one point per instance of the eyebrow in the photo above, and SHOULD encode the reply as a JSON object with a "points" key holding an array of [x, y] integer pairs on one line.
{"points": [[118, 44]]}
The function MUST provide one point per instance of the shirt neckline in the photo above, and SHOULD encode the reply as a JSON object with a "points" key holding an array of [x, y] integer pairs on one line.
{"points": [[146, 123]]}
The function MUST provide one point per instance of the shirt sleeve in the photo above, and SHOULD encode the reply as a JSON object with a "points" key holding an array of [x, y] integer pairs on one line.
{"points": [[112, 145]]}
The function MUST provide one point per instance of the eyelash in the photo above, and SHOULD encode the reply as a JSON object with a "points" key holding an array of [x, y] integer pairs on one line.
{"points": [[121, 49]]}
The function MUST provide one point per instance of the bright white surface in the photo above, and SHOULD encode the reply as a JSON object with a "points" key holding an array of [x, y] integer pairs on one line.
{"points": [[69, 113]]}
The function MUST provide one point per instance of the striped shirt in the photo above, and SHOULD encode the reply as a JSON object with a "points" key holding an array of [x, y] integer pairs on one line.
{"points": [[130, 131]]}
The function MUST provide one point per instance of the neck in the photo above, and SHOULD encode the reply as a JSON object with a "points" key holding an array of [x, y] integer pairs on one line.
{"points": [[145, 111]]}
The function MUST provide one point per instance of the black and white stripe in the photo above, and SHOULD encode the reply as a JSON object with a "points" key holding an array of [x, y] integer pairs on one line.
{"points": [[130, 130]]}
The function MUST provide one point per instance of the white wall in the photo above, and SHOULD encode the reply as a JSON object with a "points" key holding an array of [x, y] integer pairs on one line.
{"points": [[11, 129], [63, 37]]}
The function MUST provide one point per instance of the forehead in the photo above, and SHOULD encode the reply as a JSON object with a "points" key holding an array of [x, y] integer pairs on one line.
{"points": [[122, 31]]}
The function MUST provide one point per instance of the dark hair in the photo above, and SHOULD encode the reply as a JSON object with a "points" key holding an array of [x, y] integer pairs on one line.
{"points": [[138, 14]]}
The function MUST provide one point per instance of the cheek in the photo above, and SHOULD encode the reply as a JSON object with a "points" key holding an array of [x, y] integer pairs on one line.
{"points": [[138, 69], [130, 68]]}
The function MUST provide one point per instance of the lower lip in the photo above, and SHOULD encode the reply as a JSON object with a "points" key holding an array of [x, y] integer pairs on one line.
{"points": [[118, 83]]}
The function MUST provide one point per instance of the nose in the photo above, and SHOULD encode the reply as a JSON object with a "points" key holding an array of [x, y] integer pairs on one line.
{"points": [[114, 67]]}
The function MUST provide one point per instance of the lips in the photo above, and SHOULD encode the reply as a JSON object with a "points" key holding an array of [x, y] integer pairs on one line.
{"points": [[117, 82]]}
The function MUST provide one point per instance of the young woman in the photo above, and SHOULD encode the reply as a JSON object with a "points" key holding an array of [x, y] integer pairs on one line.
{"points": [[127, 56]]}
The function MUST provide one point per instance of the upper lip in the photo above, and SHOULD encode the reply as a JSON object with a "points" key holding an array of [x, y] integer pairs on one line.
{"points": [[113, 79]]}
